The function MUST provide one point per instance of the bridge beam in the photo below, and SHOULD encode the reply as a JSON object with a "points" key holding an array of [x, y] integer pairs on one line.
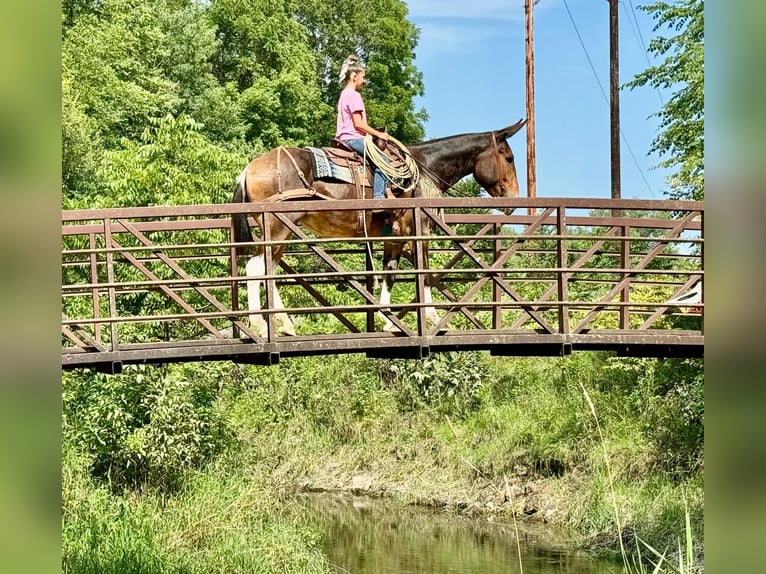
{"points": [[534, 349], [415, 352]]}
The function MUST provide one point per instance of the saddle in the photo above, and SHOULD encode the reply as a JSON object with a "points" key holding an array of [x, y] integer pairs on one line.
{"points": [[341, 163]]}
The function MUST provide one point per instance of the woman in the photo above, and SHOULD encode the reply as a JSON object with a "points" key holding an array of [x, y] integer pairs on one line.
{"points": [[352, 123]]}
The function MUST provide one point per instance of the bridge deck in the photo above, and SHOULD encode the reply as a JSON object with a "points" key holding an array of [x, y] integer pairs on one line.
{"points": [[154, 285]]}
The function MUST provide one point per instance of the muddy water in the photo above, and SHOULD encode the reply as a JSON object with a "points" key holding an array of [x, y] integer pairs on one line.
{"points": [[369, 536]]}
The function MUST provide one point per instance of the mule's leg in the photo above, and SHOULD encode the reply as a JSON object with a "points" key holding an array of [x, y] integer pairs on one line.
{"points": [[391, 254], [431, 315], [282, 319], [256, 267]]}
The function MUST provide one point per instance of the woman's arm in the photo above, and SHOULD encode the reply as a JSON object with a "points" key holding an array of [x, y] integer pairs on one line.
{"points": [[363, 127]]}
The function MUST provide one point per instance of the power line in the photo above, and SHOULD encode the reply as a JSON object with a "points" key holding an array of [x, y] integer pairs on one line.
{"points": [[592, 67], [635, 34], [606, 99], [644, 45]]}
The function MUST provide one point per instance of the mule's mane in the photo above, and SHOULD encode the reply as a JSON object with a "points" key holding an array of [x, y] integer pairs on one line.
{"points": [[448, 139], [451, 158]]}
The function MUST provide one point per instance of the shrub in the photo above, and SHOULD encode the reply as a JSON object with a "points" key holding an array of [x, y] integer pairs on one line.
{"points": [[449, 382], [145, 427]]}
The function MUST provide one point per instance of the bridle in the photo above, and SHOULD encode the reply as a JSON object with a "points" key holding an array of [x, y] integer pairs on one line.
{"points": [[499, 165]]}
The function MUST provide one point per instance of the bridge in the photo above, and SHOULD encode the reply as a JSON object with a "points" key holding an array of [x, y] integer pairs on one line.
{"points": [[522, 276]]}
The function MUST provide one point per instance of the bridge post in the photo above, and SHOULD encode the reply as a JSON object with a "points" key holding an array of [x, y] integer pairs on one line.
{"points": [[563, 263], [421, 265], [94, 292], [270, 283], [110, 278], [496, 294], [234, 269], [625, 291], [369, 283]]}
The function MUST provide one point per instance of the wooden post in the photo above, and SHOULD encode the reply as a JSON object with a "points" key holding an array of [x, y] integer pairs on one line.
{"points": [[614, 97], [530, 76]]}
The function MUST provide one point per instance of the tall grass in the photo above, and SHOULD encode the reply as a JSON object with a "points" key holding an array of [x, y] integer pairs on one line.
{"points": [[636, 564], [218, 522], [658, 560]]}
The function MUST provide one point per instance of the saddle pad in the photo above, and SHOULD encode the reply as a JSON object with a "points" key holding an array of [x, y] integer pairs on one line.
{"points": [[324, 168]]}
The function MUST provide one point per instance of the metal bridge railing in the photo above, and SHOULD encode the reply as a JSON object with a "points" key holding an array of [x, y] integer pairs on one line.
{"points": [[156, 284]]}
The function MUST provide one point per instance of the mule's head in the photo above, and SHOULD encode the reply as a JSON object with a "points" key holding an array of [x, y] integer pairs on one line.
{"points": [[495, 168]]}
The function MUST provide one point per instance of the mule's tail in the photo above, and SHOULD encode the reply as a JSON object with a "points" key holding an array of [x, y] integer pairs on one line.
{"points": [[242, 231]]}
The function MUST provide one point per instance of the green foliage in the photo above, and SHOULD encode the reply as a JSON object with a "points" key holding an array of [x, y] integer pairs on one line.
{"points": [[111, 62], [146, 427], [378, 31], [192, 46], [325, 391], [682, 118], [451, 382], [265, 53], [172, 164], [126, 63], [668, 397], [220, 521], [80, 145], [466, 187]]}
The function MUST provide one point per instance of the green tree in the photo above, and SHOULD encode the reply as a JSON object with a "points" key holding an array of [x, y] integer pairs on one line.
{"points": [[171, 164], [265, 52], [682, 118], [250, 74], [127, 62], [380, 34]]}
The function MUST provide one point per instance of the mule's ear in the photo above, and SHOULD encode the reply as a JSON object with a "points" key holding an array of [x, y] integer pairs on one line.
{"points": [[505, 133]]}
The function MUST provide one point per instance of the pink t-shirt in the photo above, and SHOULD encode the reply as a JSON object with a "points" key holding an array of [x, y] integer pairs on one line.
{"points": [[350, 101]]}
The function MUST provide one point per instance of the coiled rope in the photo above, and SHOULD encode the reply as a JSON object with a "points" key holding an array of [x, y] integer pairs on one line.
{"points": [[404, 174]]}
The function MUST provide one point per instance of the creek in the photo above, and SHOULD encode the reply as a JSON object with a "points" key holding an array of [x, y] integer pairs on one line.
{"points": [[372, 536]]}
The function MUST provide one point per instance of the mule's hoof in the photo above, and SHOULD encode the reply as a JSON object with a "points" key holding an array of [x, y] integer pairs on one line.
{"points": [[391, 328], [260, 329], [288, 330]]}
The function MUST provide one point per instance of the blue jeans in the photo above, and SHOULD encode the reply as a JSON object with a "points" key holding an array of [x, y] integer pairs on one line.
{"points": [[378, 180]]}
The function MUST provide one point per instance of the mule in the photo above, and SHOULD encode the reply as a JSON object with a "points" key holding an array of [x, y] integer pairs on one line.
{"points": [[286, 172]]}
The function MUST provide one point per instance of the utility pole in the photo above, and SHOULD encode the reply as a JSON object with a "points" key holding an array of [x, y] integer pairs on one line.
{"points": [[530, 76], [614, 93]]}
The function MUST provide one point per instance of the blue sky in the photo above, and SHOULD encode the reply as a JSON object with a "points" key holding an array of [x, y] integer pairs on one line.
{"points": [[471, 54]]}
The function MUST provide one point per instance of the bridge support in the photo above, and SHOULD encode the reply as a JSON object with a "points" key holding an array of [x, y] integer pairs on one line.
{"points": [[527, 349], [109, 367], [416, 352], [265, 359], [662, 351]]}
